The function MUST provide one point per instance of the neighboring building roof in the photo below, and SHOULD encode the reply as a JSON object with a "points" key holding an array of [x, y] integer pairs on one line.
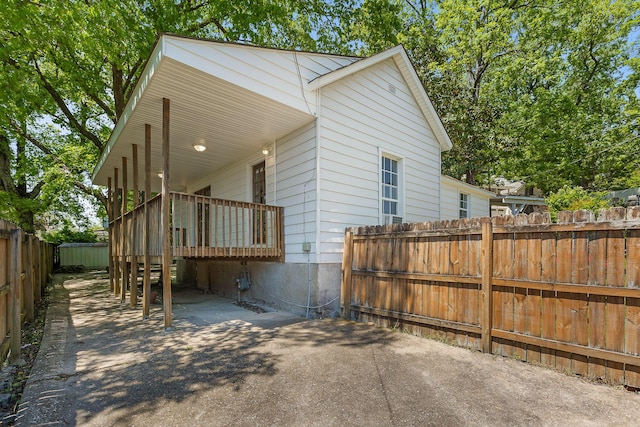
{"points": [[525, 200], [83, 245]]}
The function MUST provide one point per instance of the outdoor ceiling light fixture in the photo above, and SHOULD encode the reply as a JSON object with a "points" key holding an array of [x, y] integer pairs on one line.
{"points": [[199, 147], [265, 151]]}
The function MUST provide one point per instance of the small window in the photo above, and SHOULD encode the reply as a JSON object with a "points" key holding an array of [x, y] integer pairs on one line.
{"points": [[464, 205], [390, 186]]}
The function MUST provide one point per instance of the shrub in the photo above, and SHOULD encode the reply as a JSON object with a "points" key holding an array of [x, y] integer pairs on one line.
{"points": [[576, 198]]}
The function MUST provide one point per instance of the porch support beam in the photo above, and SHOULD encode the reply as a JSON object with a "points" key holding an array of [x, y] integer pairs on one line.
{"points": [[123, 233], [116, 233], [109, 219], [146, 279], [166, 244], [133, 288]]}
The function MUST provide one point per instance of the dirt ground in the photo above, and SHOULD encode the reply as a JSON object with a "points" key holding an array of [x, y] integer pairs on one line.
{"points": [[102, 364]]}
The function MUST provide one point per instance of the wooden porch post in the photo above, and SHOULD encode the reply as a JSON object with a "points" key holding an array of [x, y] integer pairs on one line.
{"points": [[116, 233], [123, 228], [133, 291], [146, 280], [166, 243], [109, 219]]}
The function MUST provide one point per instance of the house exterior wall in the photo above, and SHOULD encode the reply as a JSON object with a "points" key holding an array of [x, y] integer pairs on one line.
{"points": [[326, 175], [450, 189], [291, 183], [286, 286], [362, 116]]}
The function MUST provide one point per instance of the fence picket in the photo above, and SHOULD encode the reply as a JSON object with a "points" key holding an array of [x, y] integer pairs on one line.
{"points": [[520, 271], [578, 304], [632, 314], [615, 324], [597, 303]]}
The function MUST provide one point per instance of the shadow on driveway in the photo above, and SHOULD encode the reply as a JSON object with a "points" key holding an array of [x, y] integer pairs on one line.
{"points": [[102, 364]]}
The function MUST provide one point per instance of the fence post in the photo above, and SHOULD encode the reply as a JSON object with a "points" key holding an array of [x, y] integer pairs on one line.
{"points": [[347, 265], [14, 292], [29, 262], [487, 294]]}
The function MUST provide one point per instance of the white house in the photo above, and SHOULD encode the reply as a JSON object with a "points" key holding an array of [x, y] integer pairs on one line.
{"points": [[461, 200], [331, 141]]}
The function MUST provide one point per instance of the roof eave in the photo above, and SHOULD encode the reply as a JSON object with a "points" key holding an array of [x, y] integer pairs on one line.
{"points": [[153, 61]]}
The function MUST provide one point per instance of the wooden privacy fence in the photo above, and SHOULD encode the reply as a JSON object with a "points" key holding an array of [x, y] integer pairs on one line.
{"points": [[25, 266], [565, 295]]}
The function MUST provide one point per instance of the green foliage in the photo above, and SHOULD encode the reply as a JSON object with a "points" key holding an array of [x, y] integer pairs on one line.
{"points": [[544, 91], [576, 198], [541, 91], [66, 235], [68, 68]]}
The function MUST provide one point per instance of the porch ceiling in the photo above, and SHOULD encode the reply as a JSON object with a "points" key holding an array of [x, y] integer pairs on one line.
{"points": [[232, 122]]}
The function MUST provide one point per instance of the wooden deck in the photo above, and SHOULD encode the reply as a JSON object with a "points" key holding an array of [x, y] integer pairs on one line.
{"points": [[204, 227]]}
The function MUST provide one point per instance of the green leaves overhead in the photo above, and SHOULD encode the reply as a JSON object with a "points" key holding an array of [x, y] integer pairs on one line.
{"points": [[68, 68], [539, 90], [545, 88]]}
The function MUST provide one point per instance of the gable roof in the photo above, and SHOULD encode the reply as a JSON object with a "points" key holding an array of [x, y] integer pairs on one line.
{"points": [[236, 98], [399, 55]]}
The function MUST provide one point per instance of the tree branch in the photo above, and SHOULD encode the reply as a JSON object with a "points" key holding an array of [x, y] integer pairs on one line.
{"points": [[205, 23], [118, 91], [86, 189], [127, 86], [65, 109]]}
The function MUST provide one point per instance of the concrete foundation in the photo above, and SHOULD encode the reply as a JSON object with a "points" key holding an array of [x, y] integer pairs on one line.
{"points": [[286, 286]]}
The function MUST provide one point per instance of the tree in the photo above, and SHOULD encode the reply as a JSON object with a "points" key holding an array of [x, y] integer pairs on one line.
{"points": [[69, 67], [538, 90]]}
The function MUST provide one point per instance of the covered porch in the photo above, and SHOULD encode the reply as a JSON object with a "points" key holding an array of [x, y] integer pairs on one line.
{"points": [[196, 110]]}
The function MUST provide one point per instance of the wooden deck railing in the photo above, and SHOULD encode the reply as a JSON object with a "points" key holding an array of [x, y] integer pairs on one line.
{"points": [[204, 227]]}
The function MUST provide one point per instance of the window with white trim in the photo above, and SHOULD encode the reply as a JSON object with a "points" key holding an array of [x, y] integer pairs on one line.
{"points": [[390, 186], [464, 205]]}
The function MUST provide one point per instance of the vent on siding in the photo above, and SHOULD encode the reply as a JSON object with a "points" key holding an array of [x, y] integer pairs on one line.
{"points": [[392, 89]]}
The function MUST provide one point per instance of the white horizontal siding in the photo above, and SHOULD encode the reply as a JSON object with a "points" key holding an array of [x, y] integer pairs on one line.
{"points": [[361, 116], [295, 185], [479, 200], [276, 74], [449, 201]]}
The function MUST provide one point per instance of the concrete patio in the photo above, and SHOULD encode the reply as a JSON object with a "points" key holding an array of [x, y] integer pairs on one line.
{"points": [[102, 364]]}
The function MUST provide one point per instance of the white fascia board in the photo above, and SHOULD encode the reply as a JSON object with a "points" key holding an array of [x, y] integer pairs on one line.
{"points": [[145, 78], [471, 188], [350, 69], [411, 77]]}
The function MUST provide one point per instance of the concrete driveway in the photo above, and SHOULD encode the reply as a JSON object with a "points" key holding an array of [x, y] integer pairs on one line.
{"points": [[101, 364]]}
